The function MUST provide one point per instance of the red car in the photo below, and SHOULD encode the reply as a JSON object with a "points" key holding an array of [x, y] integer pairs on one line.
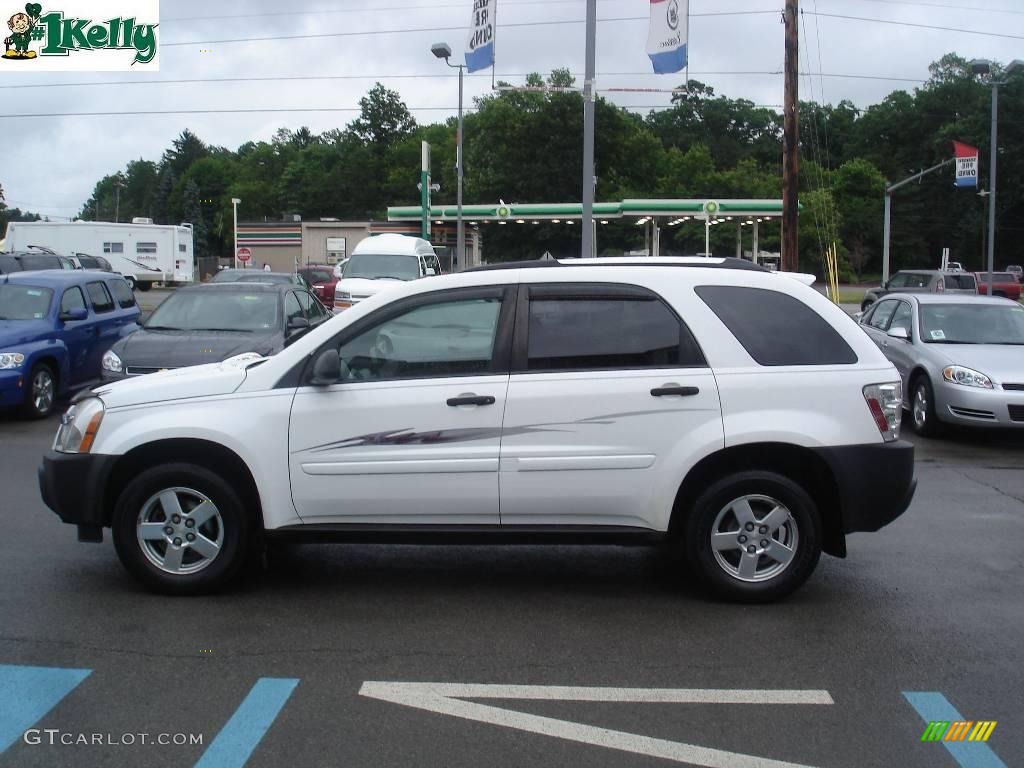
{"points": [[322, 278], [1003, 284]]}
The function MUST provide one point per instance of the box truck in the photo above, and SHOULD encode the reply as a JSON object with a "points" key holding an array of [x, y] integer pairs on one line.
{"points": [[144, 252]]}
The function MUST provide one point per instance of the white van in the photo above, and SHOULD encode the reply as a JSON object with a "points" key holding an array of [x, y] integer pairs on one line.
{"points": [[384, 260]]}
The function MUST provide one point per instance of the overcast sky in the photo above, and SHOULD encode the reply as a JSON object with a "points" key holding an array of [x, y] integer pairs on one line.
{"points": [[50, 164]]}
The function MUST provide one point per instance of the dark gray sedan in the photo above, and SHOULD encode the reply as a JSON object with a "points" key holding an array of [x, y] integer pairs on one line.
{"points": [[210, 323], [961, 358]]}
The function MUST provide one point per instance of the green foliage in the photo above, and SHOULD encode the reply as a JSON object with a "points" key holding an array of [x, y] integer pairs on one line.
{"points": [[523, 145]]}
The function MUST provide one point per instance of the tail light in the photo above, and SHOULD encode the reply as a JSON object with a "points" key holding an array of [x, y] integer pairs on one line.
{"points": [[885, 402]]}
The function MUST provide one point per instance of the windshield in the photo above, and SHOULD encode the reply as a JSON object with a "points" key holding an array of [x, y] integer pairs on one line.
{"points": [[217, 311], [972, 324], [24, 302], [320, 276], [910, 280], [382, 266]]}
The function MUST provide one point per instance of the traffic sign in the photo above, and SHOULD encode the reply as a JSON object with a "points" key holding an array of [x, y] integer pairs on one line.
{"points": [[244, 254]]}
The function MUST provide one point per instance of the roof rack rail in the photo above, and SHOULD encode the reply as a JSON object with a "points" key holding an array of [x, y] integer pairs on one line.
{"points": [[724, 262]]}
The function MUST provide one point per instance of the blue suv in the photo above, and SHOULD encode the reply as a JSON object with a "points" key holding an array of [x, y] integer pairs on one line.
{"points": [[54, 328]]}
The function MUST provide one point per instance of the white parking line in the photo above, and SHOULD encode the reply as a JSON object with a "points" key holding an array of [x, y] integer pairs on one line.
{"points": [[446, 699]]}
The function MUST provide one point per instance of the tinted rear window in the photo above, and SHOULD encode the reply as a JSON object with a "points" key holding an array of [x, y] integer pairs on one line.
{"points": [[32, 261], [8, 264], [961, 282], [100, 297], [775, 328], [122, 293]]}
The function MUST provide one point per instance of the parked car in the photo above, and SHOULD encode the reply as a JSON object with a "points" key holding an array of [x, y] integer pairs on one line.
{"points": [[734, 414], [954, 266], [94, 263], [1016, 270], [211, 322], [322, 280], [1004, 284], [960, 358], [260, 276], [922, 281], [33, 261], [381, 261], [55, 327]]}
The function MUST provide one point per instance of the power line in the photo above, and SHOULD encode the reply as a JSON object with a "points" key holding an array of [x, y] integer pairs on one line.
{"points": [[941, 5], [233, 111], [383, 76], [365, 33], [913, 24]]}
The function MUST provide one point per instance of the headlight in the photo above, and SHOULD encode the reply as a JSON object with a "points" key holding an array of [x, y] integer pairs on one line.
{"points": [[957, 374], [78, 426], [111, 362], [10, 360]]}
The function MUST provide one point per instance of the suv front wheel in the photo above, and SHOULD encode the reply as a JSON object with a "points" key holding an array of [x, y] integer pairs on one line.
{"points": [[753, 536], [181, 529]]}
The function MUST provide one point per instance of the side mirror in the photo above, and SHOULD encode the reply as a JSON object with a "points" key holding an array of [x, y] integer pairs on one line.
{"points": [[326, 369], [899, 333], [431, 272], [78, 313], [297, 323]]}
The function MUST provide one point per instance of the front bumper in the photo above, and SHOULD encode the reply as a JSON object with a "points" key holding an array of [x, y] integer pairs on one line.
{"points": [[976, 407], [875, 482], [12, 387], [73, 485]]}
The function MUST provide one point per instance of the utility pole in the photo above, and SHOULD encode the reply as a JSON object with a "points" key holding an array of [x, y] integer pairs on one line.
{"points": [[588, 132], [791, 142], [117, 198]]}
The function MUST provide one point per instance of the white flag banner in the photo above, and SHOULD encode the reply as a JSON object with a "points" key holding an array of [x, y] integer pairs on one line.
{"points": [[480, 49], [666, 42]]}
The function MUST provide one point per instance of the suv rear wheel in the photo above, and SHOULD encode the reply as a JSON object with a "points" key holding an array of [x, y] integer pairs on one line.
{"points": [[181, 529], [753, 536]]}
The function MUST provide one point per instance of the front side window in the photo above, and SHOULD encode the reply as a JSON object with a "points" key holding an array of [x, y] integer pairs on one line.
{"points": [[292, 309], [902, 318], [100, 298], [311, 308], [777, 329], [122, 293], [450, 338], [88, 262], [113, 247], [24, 302], [145, 247], [595, 328], [882, 315], [72, 299]]}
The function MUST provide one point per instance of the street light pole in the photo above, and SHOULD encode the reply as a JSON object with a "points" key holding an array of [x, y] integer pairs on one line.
{"points": [[234, 215], [587, 250], [444, 51], [117, 199], [984, 67]]}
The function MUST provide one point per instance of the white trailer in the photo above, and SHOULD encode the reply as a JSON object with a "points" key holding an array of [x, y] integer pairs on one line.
{"points": [[144, 252]]}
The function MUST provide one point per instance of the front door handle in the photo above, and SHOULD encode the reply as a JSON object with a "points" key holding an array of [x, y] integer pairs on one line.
{"points": [[471, 400], [674, 389]]}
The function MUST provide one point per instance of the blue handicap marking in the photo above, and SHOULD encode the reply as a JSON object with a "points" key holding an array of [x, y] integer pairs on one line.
{"points": [[968, 754], [28, 693], [233, 746]]}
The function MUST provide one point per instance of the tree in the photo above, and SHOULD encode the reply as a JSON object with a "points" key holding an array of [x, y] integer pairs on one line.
{"points": [[859, 190], [383, 120], [193, 213]]}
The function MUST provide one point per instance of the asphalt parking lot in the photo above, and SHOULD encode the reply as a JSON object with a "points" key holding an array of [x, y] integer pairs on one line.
{"points": [[299, 665]]}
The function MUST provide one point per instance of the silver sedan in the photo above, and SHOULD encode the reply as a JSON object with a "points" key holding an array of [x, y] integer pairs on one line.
{"points": [[961, 358]]}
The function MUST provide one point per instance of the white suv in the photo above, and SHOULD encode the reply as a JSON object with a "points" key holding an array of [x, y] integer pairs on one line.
{"points": [[734, 413]]}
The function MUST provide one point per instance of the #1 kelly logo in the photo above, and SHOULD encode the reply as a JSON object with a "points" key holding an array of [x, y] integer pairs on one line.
{"points": [[115, 35]]}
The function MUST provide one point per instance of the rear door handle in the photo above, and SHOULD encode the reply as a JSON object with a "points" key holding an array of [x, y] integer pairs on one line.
{"points": [[471, 400], [674, 390]]}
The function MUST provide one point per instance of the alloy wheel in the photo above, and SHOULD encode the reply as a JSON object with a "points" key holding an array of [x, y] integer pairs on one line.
{"points": [[180, 531], [754, 538]]}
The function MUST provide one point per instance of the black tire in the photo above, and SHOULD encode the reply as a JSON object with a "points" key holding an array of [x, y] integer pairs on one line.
{"points": [[929, 425], [145, 286], [131, 281], [234, 524], [39, 408], [776, 489]]}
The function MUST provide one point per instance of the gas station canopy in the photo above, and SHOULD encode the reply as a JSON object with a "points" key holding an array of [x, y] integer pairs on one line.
{"points": [[522, 213]]}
